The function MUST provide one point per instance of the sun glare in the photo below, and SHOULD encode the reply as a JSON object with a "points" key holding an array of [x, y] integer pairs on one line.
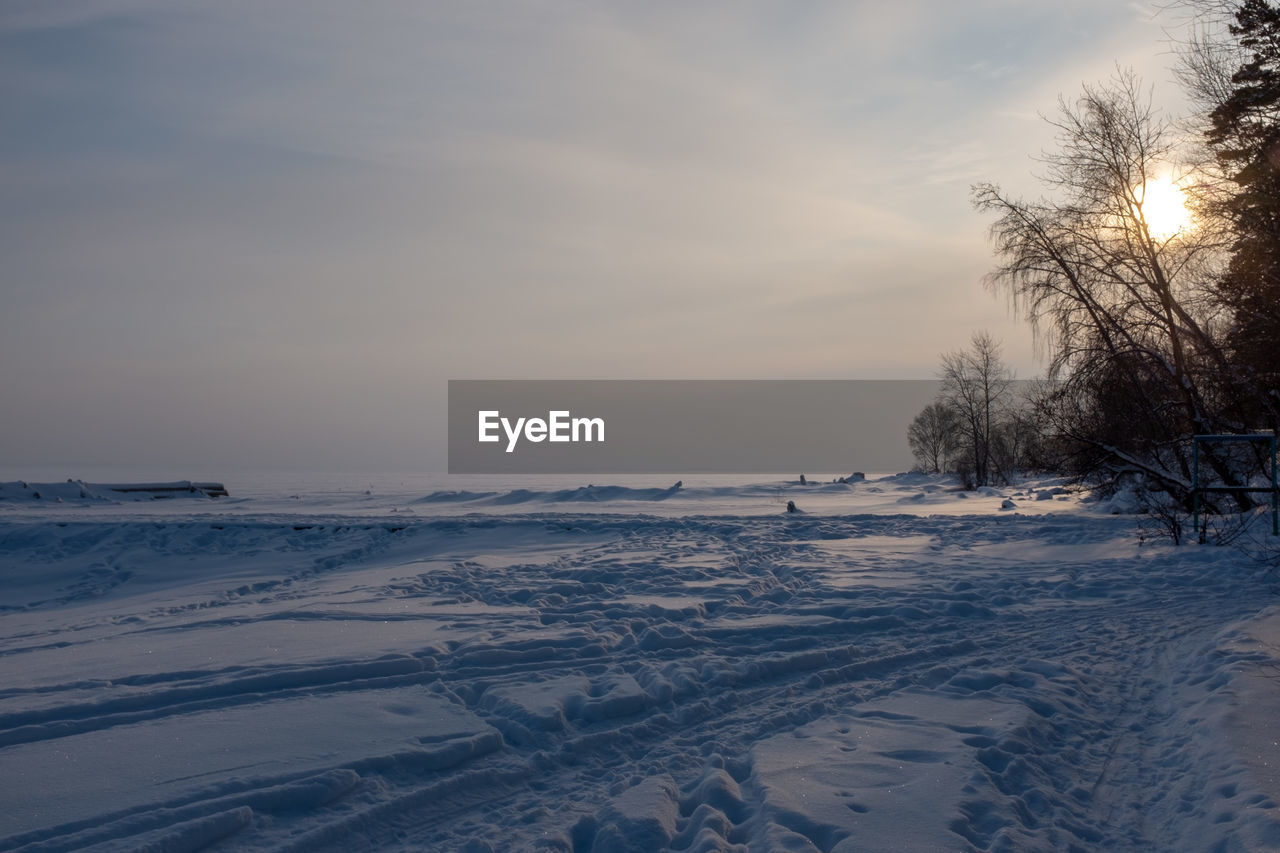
{"points": [[1164, 207]]}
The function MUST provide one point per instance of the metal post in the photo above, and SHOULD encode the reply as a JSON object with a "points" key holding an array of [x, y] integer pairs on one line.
{"points": [[1196, 488]]}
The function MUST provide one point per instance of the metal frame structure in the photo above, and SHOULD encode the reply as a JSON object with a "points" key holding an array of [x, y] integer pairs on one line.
{"points": [[1196, 488]]}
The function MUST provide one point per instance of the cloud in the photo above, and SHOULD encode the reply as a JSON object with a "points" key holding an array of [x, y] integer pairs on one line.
{"points": [[17, 16], [274, 211]]}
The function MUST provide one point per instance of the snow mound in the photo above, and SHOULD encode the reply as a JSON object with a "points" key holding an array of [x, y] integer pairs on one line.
{"points": [[80, 492], [641, 819], [582, 494]]}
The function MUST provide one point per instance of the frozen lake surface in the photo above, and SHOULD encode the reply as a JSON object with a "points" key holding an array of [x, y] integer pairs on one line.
{"points": [[467, 664]]}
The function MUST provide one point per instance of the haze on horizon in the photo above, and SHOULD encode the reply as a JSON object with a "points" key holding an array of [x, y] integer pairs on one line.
{"points": [[245, 235]]}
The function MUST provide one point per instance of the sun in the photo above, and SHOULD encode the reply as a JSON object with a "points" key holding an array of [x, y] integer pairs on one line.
{"points": [[1164, 207]]}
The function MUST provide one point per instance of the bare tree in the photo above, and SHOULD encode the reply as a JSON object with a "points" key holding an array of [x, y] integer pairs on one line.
{"points": [[975, 386], [934, 437], [1127, 313], [1017, 443], [1208, 56]]}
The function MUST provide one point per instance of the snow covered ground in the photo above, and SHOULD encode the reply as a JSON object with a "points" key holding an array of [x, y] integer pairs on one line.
{"points": [[414, 665]]}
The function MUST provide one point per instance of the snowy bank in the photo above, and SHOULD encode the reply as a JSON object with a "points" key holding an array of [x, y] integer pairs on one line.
{"points": [[78, 491]]}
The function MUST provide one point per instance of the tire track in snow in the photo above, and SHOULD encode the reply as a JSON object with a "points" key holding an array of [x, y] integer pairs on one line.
{"points": [[717, 725], [761, 638]]}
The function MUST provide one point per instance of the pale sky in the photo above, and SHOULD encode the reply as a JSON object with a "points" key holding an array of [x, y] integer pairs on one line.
{"points": [[261, 234]]}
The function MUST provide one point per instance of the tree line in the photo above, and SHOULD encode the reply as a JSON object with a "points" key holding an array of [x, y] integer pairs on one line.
{"points": [[1152, 335]]}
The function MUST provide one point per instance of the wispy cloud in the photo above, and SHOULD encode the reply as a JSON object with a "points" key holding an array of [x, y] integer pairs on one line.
{"points": [[248, 195], [18, 16]]}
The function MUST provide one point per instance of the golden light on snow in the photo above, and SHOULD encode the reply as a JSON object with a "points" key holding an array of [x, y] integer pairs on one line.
{"points": [[1163, 206]]}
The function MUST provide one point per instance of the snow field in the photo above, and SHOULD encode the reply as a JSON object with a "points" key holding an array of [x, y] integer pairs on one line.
{"points": [[619, 681]]}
